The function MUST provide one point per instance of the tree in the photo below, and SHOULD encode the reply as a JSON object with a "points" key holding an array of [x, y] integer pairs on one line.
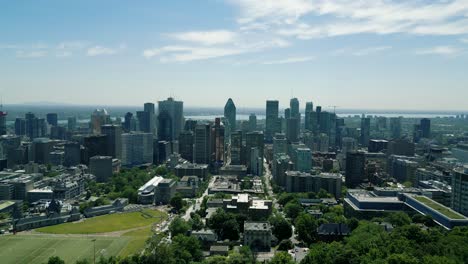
{"points": [[285, 198], [83, 261], [399, 219], [186, 248], [285, 245], [323, 194], [230, 230], [216, 260], [196, 222], [55, 260], [179, 227], [225, 225], [244, 256], [281, 228], [306, 228], [177, 202], [282, 258], [402, 259], [293, 209]]}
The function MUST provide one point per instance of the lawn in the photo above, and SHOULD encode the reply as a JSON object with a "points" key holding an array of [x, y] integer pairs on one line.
{"points": [[441, 209], [38, 248], [107, 223]]}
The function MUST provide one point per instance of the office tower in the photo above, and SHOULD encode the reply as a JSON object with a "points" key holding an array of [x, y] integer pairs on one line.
{"points": [[20, 126], [137, 148], [256, 162], [99, 118], [71, 123], [190, 125], [273, 124], [144, 121], [425, 127], [365, 131], [252, 122], [95, 145], [401, 147], [162, 151], [303, 159], [52, 119], [287, 113], [186, 139], [254, 140], [322, 142], [355, 168], [165, 126], [292, 133], [127, 125], [101, 168], [306, 183], [395, 127], [318, 110], [3, 127], [308, 111], [58, 132], [280, 144], [348, 144], [236, 148], [72, 154], [149, 108], [217, 143], [230, 114], [175, 110], [202, 148], [114, 140], [460, 190], [41, 148], [34, 127], [381, 123]]}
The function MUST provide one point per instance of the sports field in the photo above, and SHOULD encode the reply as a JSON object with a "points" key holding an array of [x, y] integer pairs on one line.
{"points": [[123, 235], [38, 249], [107, 223]]}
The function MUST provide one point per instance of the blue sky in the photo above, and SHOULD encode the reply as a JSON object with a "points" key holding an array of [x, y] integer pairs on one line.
{"points": [[372, 54]]}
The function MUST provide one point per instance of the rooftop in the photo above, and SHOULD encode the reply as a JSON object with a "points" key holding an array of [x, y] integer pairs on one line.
{"points": [[256, 226], [439, 208]]}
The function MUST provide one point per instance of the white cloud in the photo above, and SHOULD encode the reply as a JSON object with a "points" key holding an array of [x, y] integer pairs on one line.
{"points": [[31, 54], [290, 60], [100, 50], [186, 53], [371, 50], [214, 37], [346, 17], [464, 40], [439, 50], [72, 45]]}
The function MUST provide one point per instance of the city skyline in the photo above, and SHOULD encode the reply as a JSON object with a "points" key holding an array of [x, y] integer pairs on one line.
{"points": [[354, 55]]}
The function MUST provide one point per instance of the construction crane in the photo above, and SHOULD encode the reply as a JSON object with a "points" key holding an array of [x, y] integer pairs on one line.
{"points": [[334, 108]]}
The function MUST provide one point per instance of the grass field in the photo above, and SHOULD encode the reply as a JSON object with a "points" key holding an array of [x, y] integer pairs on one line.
{"points": [[37, 248], [441, 209], [107, 223]]}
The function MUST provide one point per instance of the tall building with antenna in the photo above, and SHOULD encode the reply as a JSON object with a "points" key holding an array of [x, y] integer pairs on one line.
{"points": [[3, 117]]}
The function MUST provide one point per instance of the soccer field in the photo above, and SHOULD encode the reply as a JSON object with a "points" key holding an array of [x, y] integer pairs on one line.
{"points": [[38, 248]]}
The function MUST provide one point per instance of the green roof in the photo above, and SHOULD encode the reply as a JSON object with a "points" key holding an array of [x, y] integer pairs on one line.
{"points": [[439, 208], [6, 204]]}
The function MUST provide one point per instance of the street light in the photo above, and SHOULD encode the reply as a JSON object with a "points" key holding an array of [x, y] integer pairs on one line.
{"points": [[94, 251]]}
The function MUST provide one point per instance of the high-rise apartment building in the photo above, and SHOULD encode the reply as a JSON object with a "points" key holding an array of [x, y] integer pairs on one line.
{"points": [[137, 148], [460, 190]]}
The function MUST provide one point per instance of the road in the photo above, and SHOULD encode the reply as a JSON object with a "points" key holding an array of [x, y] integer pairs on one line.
{"points": [[195, 207], [297, 253]]}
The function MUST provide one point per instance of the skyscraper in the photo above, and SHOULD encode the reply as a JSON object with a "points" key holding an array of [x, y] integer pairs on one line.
{"points": [[149, 108], [114, 140], [236, 148], [165, 126], [99, 118], [137, 148], [355, 168], [71, 123], [395, 127], [186, 139], [52, 119], [254, 140], [308, 112], [3, 116], [217, 143], [175, 110], [425, 127], [292, 134], [34, 127], [230, 114], [365, 131], [295, 112], [273, 124], [252, 122], [202, 148]]}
